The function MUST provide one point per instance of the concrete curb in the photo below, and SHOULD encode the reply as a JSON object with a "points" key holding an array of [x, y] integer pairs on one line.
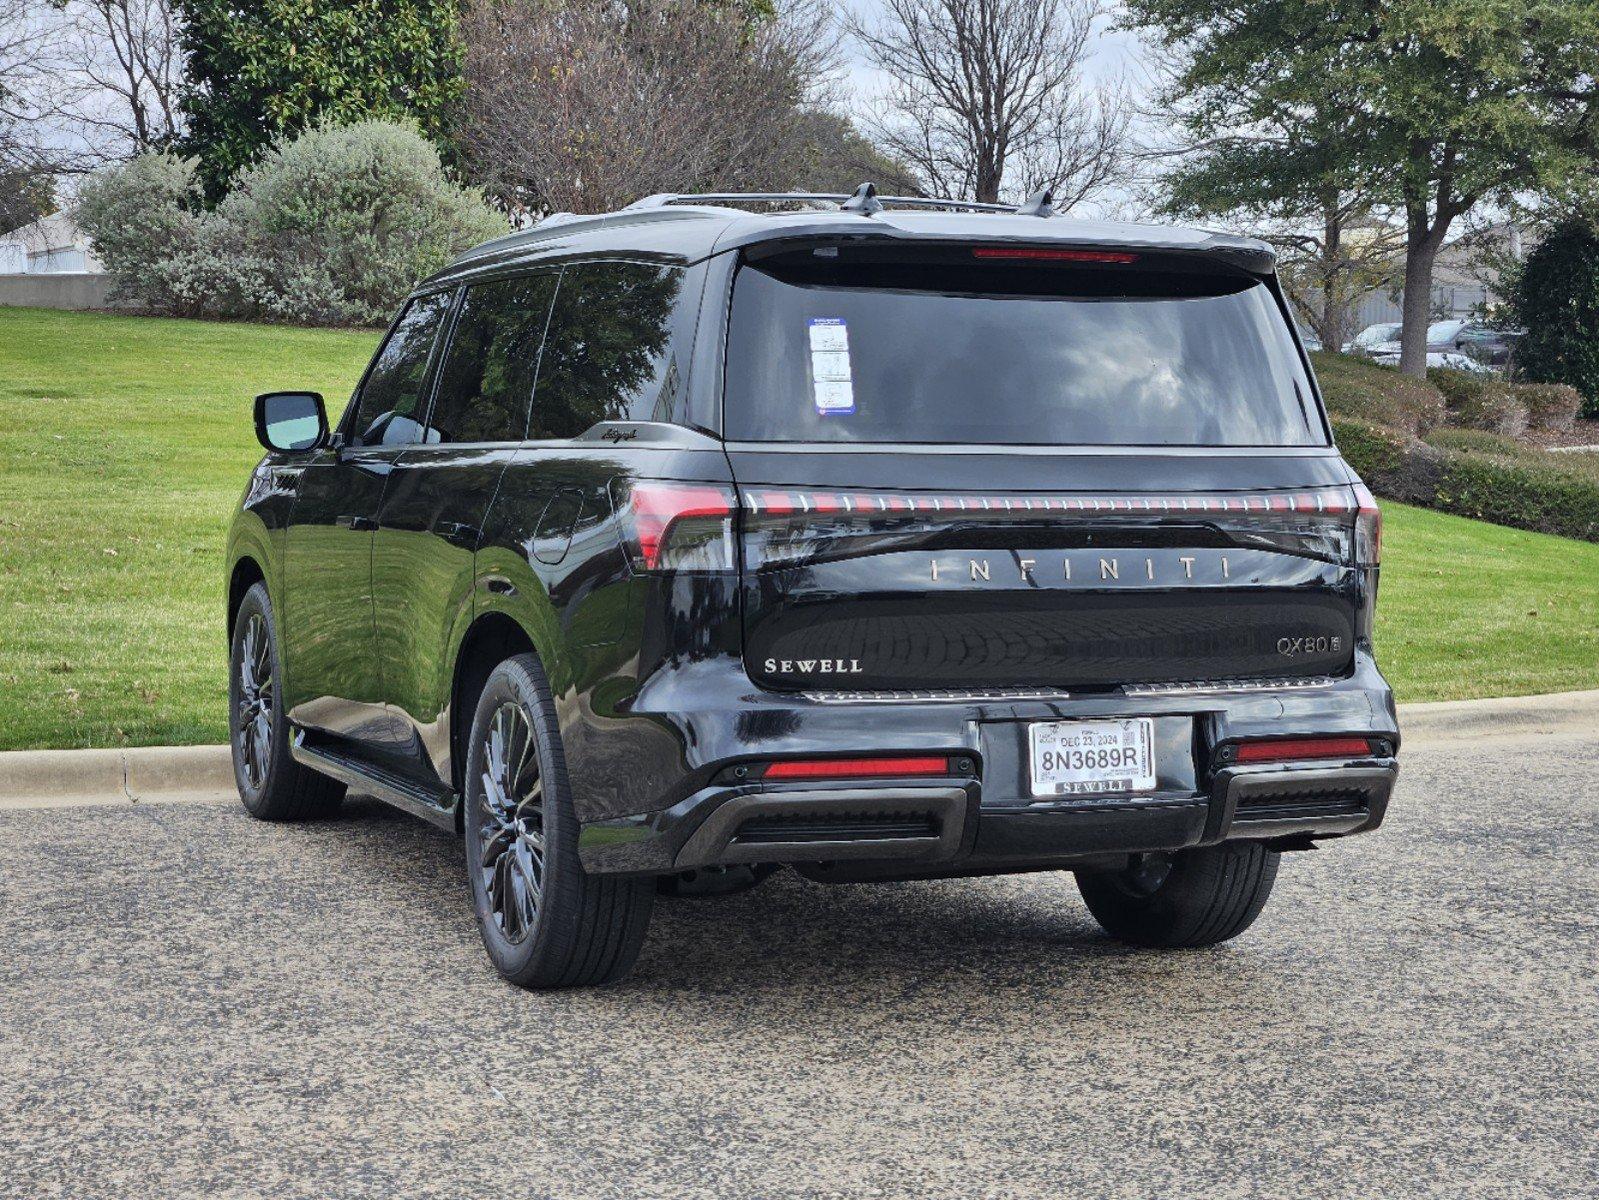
{"points": [[114, 774], [1519, 716], [154, 771]]}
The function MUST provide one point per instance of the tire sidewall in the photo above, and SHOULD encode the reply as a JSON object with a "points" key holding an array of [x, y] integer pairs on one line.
{"points": [[257, 602], [520, 681]]}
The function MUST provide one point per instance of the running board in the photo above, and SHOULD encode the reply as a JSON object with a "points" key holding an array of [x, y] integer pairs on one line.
{"points": [[436, 805]]}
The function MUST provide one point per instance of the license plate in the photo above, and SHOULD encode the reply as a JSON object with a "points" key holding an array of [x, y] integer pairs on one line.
{"points": [[1073, 758]]}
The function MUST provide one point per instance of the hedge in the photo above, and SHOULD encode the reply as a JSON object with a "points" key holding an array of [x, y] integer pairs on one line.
{"points": [[1358, 387], [1481, 402], [1504, 488], [1552, 406]]}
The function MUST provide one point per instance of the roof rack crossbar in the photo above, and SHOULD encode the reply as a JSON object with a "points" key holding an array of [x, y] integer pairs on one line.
{"points": [[840, 198]]}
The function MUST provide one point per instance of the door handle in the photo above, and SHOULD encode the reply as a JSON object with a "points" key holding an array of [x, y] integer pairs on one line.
{"points": [[357, 523], [460, 534]]}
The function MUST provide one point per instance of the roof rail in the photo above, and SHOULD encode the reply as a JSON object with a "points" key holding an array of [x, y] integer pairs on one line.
{"points": [[864, 200]]}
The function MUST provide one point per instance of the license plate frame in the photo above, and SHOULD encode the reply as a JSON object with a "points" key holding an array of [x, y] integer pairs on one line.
{"points": [[1096, 754]]}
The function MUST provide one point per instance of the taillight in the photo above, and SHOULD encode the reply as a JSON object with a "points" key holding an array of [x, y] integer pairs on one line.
{"points": [[672, 526], [857, 768], [1294, 749], [1368, 528]]}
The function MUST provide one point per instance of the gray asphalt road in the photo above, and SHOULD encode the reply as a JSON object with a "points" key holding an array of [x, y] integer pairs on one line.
{"points": [[192, 1003]]}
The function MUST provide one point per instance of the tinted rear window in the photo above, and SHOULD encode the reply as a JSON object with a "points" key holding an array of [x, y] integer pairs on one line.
{"points": [[839, 352]]}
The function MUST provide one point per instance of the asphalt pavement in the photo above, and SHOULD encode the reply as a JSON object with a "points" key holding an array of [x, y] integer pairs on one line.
{"points": [[196, 1004]]}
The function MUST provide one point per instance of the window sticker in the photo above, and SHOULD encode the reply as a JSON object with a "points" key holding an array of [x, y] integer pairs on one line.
{"points": [[832, 386]]}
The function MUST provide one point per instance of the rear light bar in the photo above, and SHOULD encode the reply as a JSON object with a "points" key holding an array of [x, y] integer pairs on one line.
{"points": [[1296, 749], [1040, 254], [791, 501], [857, 768]]}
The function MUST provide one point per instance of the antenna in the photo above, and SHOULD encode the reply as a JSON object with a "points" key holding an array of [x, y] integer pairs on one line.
{"points": [[1040, 204], [864, 201]]}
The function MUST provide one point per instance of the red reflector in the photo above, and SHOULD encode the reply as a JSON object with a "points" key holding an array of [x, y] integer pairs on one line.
{"points": [[854, 768], [1039, 254], [1292, 748]]}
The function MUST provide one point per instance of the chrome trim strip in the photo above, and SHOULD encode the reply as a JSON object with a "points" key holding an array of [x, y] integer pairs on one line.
{"points": [[935, 696], [1227, 686], [967, 696]]}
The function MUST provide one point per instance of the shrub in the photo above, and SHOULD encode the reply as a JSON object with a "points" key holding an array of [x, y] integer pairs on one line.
{"points": [[333, 227], [1550, 406], [142, 215], [1357, 387], [1494, 409], [1481, 402], [1556, 300], [349, 217]]}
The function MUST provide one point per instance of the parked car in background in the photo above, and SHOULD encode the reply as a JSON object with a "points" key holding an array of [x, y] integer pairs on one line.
{"points": [[1449, 360], [1456, 343], [1370, 338], [1486, 343]]}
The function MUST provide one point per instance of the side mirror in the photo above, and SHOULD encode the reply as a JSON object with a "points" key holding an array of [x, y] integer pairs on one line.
{"points": [[290, 421]]}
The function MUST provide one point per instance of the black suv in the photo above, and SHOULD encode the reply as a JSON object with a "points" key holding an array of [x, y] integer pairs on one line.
{"points": [[889, 539]]}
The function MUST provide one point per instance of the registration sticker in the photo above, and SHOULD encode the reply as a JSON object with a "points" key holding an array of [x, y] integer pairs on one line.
{"points": [[1076, 758], [832, 384]]}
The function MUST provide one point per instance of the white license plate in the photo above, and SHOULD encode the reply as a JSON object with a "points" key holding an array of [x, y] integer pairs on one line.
{"points": [[1073, 758]]}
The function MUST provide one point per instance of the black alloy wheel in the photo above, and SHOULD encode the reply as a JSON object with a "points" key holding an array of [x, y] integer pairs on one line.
{"points": [[545, 921], [272, 785], [510, 817]]}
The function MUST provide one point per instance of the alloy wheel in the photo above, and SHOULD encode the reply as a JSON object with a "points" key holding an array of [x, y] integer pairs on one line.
{"points": [[253, 717], [510, 820]]}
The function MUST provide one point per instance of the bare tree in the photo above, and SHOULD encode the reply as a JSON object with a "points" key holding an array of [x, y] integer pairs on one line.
{"points": [[123, 66], [27, 155], [84, 82], [988, 97], [27, 58], [587, 106]]}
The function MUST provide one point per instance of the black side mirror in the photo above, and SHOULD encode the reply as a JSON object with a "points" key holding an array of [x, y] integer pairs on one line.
{"points": [[290, 421]]}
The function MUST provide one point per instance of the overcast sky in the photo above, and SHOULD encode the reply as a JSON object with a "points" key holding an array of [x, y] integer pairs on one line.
{"points": [[1112, 54]]}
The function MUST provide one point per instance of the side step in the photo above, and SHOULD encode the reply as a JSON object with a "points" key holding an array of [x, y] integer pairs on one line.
{"points": [[436, 805]]}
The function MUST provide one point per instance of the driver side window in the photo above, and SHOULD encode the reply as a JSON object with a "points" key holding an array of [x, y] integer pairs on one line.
{"points": [[388, 409]]}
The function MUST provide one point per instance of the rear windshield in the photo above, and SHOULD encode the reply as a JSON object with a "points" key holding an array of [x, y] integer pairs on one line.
{"points": [[1011, 354]]}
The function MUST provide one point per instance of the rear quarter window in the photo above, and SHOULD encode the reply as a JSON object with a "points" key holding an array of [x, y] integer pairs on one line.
{"points": [[617, 348]]}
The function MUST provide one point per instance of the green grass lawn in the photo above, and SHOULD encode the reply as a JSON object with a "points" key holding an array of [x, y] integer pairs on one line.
{"points": [[124, 446], [125, 442]]}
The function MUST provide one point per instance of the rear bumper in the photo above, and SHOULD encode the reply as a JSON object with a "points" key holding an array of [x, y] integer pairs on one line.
{"points": [[686, 792], [943, 826]]}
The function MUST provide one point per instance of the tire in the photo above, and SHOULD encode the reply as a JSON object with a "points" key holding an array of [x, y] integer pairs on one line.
{"points": [[271, 784], [545, 922], [1187, 899]]}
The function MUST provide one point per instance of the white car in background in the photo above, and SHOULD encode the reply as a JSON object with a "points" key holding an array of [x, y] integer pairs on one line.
{"points": [[1389, 357], [1370, 338]]}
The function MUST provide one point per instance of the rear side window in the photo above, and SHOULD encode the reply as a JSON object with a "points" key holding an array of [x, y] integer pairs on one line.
{"points": [[995, 354], [617, 348], [486, 380], [387, 408]]}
